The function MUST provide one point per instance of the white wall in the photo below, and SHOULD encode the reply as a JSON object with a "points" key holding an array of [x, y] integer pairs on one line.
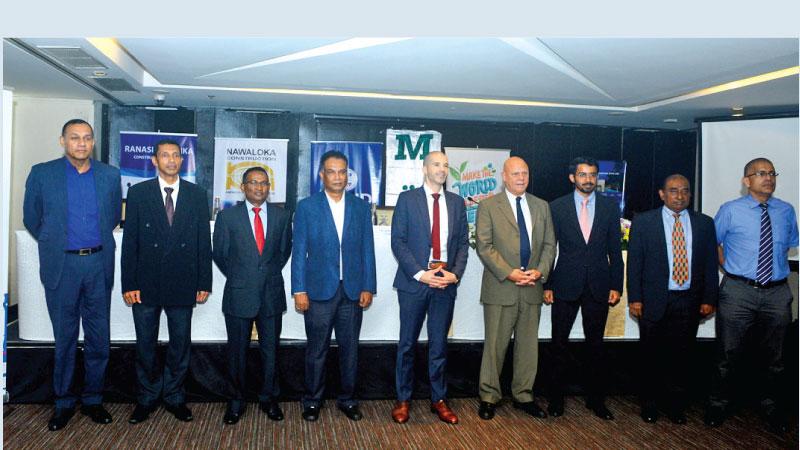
{"points": [[37, 125]]}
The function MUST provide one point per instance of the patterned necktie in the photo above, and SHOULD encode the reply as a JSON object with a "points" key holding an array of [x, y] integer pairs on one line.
{"points": [[524, 240], [764, 270], [259, 226], [680, 265], [586, 228], [169, 204], [436, 244]]}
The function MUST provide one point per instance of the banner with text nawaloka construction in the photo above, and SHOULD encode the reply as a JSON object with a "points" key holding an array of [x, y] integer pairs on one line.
{"points": [[232, 156], [405, 150], [475, 174]]}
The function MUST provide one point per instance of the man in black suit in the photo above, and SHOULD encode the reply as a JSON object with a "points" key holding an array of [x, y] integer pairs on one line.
{"points": [[588, 276], [252, 243], [166, 265], [672, 283]]}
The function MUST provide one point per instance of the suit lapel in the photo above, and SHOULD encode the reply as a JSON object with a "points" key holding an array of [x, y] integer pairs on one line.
{"points": [[60, 179], [694, 224], [181, 208], [662, 242], [243, 222], [157, 204], [328, 215], [574, 221], [421, 204], [505, 209], [451, 217], [348, 214], [272, 239]]}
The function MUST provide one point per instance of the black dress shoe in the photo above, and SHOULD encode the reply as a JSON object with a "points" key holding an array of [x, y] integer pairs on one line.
{"points": [[649, 415], [600, 410], [141, 413], [531, 408], [97, 413], [556, 408], [311, 413], [180, 411], [714, 416], [272, 409], [351, 412], [232, 414], [60, 418], [677, 417], [486, 410]]}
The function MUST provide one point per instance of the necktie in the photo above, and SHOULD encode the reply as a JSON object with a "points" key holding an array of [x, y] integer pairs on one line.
{"points": [[764, 270], [436, 244], [524, 240], [169, 205], [259, 226], [680, 265], [586, 228]]}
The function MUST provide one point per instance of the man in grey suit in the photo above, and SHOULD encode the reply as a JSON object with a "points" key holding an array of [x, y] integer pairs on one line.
{"points": [[252, 243], [516, 243]]}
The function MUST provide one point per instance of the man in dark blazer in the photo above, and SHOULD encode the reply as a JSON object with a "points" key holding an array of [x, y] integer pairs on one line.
{"points": [[72, 204], [672, 283], [588, 276], [252, 243], [430, 241], [333, 280], [166, 265]]}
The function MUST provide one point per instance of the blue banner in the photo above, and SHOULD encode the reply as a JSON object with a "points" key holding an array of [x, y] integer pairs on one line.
{"points": [[365, 167], [611, 181], [137, 148]]}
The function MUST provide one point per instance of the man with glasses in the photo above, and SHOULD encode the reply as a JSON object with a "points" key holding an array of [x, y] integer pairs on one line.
{"points": [[672, 283], [754, 233], [588, 276]]}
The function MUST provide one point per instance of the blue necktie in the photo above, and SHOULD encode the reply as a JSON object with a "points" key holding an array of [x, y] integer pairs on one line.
{"points": [[524, 240], [764, 270]]}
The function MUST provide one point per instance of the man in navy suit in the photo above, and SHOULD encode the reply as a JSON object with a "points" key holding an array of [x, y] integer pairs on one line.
{"points": [[333, 280], [72, 205], [588, 276], [672, 283], [166, 265], [252, 243], [430, 241]]}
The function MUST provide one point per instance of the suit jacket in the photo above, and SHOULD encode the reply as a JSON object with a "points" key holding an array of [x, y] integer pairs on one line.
{"points": [[411, 239], [44, 214], [497, 239], [315, 249], [599, 261], [168, 264], [648, 266], [254, 282]]}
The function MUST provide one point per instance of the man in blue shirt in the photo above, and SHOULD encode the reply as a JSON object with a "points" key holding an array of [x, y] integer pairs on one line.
{"points": [[72, 205], [754, 234]]}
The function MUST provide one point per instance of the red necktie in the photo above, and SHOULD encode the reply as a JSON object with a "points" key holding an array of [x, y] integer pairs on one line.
{"points": [[435, 242], [259, 226]]}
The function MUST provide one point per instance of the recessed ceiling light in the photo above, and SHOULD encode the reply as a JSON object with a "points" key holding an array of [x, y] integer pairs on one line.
{"points": [[737, 111], [670, 120], [616, 113]]}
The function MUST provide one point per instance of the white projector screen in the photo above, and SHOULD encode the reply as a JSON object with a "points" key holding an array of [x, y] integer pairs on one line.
{"points": [[728, 146]]}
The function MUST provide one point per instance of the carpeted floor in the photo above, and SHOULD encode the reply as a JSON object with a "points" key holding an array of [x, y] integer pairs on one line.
{"points": [[25, 427]]}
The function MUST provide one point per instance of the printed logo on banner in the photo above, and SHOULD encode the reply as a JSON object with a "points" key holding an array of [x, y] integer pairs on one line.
{"points": [[136, 152], [364, 171], [233, 156], [405, 150]]}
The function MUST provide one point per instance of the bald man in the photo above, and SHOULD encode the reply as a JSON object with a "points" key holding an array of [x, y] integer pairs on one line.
{"points": [[516, 243]]}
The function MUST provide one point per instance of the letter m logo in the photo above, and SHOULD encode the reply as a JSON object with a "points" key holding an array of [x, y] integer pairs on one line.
{"points": [[416, 151]]}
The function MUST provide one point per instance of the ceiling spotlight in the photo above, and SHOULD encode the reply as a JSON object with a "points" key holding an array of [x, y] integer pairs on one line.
{"points": [[159, 98], [670, 120], [737, 111], [616, 113]]}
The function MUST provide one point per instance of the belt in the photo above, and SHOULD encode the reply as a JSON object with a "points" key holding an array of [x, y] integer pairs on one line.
{"points": [[85, 251], [437, 264], [680, 293], [755, 283]]}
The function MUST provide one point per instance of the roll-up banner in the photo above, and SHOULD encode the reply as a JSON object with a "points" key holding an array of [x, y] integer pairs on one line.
{"points": [[365, 167], [405, 150], [137, 148], [233, 156]]}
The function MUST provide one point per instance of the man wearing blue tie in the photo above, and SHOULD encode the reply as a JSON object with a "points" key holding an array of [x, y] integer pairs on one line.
{"points": [[754, 293], [333, 280], [430, 241]]}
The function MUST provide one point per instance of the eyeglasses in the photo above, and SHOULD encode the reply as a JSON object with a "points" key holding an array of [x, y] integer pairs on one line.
{"points": [[586, 175], [255, 183], [763, 174], [675, 191]]}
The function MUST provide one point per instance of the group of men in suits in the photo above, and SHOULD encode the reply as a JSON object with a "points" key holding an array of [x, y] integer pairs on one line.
{"points": [[566, 254]]}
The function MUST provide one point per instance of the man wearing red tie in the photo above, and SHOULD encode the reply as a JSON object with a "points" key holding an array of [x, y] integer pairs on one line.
{"points": [[252, 243], [430, 241]]}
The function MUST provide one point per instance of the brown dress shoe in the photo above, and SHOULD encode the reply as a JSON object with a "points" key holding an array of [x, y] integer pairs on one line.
{"points": [[400, 412], [445, 414]]}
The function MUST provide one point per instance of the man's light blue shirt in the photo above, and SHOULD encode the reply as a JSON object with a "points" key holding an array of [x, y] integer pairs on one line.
{"points": [[738, 224], [669, 224], [589, 206]]}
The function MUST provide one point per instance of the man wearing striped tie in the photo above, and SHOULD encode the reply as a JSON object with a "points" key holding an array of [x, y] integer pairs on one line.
{"points": [[672, 283], [754, 233]]}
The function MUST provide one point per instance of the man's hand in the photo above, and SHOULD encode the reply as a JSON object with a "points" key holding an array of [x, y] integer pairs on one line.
{"points": [[613, 297], [301, 302], [132, 297], [706, 310], [202, 296], [636, 309], [524, 278], [431, 279], [365, 299], [548, 296]]}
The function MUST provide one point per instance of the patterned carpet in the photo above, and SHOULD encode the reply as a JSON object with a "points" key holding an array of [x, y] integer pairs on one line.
{"points": [[25, 427]]}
